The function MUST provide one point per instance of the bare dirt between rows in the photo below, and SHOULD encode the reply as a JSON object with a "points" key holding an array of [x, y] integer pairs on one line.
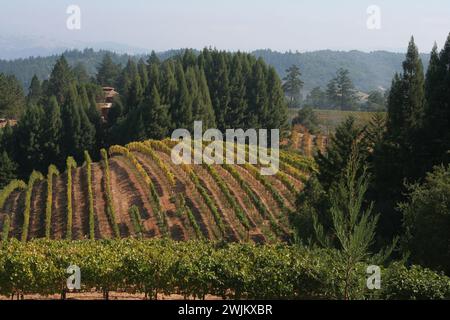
{"points": [[87, 296]]}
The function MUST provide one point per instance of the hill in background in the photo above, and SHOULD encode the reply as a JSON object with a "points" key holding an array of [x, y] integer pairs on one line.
{"points": [[369, 71]]}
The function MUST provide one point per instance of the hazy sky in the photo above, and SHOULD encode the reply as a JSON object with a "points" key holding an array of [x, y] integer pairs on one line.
{"points": [[234, 24]]}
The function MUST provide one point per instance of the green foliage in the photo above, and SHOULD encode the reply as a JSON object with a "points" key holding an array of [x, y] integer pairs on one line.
{"points": [[6, 227], [8, 169], [35, 176], [108, 72], [10, 188], [426, 219], [293, 85], [353, 224], [209, 201], [416, 283], [135, 217], [195, 269], [60, 80], [307, 118], [238, 210], [341, 92], [12, 98], [259, 205], [110, 210], [70, 164], [332, 163], [52, 171], [88, 161]]}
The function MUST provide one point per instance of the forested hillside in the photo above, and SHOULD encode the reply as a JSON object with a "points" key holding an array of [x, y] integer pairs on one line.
{"points": [[368, 71]]}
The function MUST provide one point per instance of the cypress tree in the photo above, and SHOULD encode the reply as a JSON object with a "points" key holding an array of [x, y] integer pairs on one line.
{"points": [[35, 91], [276, 117], [29, 140], [235, 116], [155, 116], [181, 110], [257, 96], [60, 80], [437, 111], [52, 131], [108, 72]]}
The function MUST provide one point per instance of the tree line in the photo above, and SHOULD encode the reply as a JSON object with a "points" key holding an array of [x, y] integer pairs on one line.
{"points": [[340, 93], [59, 116]]}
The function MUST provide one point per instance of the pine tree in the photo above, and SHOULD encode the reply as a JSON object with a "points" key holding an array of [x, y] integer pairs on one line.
{"points": [[96, 120], [276, 117], [60, 80], [80, 73], [153, 59], [108, 72], [398, 158], [237, 108], [339, 150], [316, 98], [219, 85], [353, 223], [12, 98], [78, 132], [435, 149], [293, 85], [29, 140], [344, 90], [143, 74], [181, 110], [257, 97], [35, 91], [52, 132], [207, 110], [155, 117], [154, 78], [169, 87]]}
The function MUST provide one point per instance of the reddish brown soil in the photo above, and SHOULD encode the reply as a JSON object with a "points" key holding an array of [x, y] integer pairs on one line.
{"points": [[203, 215], [233, 229], [59, 212], [112, 296], [166, 192], [10, 207], [127, 190], [37, 210], [80, 201], [254, 218]]}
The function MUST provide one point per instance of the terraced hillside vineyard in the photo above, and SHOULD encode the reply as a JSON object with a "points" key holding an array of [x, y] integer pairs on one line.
{"points": [[136, 191]]}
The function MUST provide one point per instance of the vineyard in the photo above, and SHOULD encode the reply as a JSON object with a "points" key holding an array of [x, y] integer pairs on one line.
{"points": [[136, 191]]}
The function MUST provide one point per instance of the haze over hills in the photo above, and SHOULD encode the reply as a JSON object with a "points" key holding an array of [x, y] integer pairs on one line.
{"points": [[26, 56]]}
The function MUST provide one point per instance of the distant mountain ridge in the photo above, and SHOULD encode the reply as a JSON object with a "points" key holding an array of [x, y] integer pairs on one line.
{"points": [[369, 71]]}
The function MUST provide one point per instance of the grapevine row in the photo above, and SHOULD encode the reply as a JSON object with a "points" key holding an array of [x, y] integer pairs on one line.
{"points": [[201, 189], [88, 160], [110, 210], [52, 171], [70, 164], [154, 198], [35, 176], [255, 199], [10, 188], [196, 269], [147, 150], [230, 198]]}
